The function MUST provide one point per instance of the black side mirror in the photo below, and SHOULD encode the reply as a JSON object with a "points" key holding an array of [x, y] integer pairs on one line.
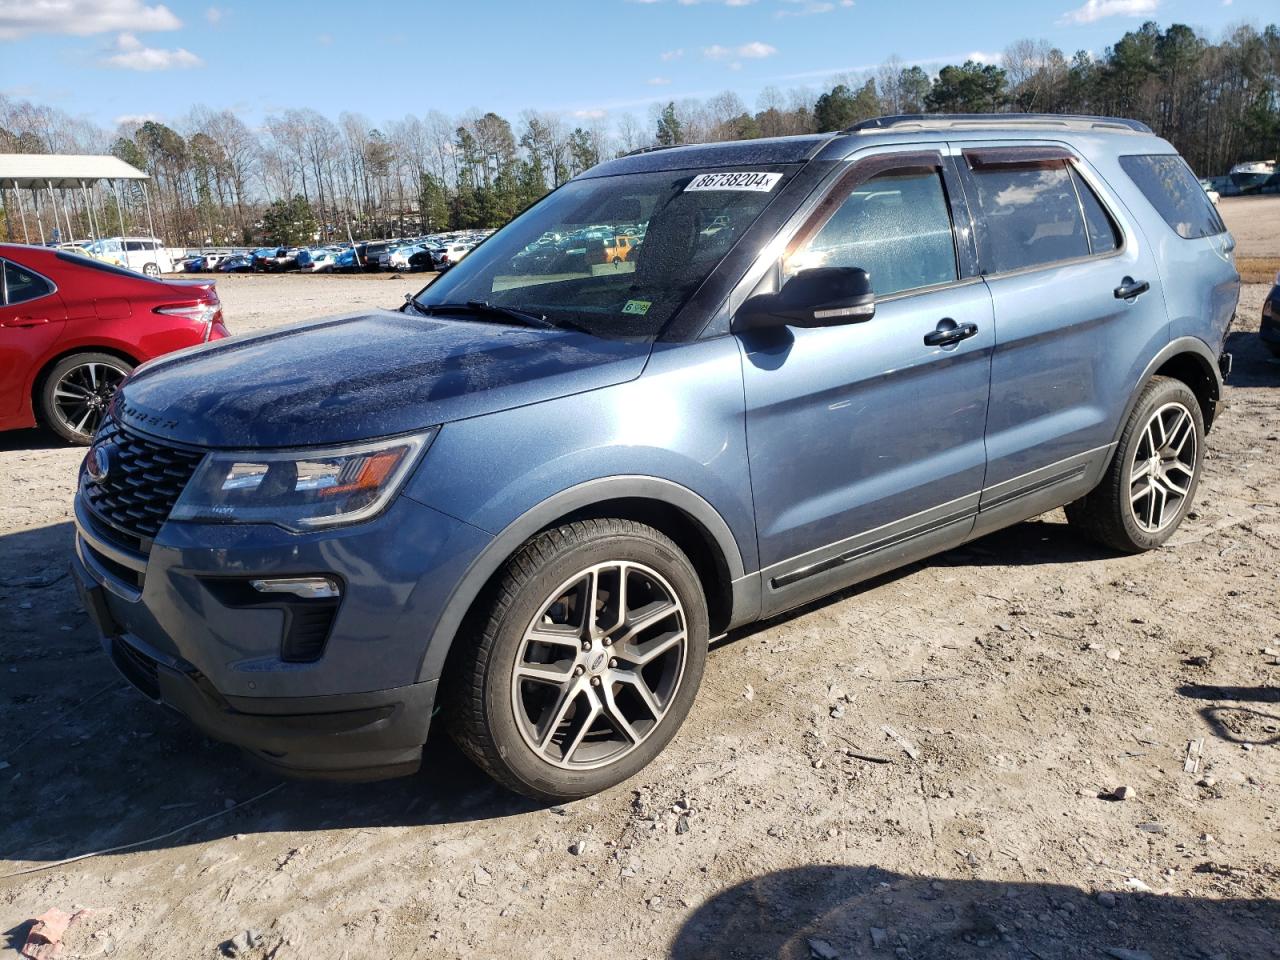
{"points": [[821, 297]]}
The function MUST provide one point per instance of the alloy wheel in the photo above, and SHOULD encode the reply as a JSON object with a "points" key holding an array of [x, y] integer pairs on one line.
{"points": [[81, 396], [1163, 467], [600, 665]]}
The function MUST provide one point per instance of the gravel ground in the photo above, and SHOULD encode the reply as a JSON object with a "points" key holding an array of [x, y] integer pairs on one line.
{"points": [[1025, 677]]}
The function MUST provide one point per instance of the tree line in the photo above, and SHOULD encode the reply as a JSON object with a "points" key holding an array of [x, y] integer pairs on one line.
{"points": [[216, 180]]}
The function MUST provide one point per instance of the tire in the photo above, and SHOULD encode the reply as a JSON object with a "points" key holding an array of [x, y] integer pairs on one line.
{"points": [[500, 721], [151, 269], [1124, 513], [76, 393]]}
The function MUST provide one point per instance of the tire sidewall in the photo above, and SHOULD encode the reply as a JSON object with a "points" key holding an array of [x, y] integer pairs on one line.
{"points": [[538, 776], [1165, 392], [47, 414]]}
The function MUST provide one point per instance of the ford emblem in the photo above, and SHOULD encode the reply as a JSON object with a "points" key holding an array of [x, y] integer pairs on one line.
{"points": [[98, 462]]}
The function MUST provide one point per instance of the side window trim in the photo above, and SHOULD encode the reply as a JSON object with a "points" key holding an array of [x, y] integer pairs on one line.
{"points": [[4, 283], [1084, 218]]}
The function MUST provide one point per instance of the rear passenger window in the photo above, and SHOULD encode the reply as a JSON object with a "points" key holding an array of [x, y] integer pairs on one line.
{"points": [[896, 226], [1031, 214], [1103, 236], [1167, 181], [21, 285]]}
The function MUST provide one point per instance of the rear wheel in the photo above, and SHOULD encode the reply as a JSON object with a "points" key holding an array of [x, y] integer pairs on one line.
{"points": [[77, 392], [587, 662], [1154, 472], [151, 270]]}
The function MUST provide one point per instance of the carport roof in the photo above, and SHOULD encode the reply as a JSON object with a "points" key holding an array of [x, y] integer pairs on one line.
{"points": [[40, 170]]}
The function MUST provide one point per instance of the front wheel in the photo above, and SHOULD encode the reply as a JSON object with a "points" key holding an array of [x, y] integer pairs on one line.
{"points": [[77, 392], [151, 270], [1153, 475], [587, 661]]}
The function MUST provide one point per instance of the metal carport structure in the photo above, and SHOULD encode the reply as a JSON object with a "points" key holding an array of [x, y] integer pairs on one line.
{"points": [[49, 172]]}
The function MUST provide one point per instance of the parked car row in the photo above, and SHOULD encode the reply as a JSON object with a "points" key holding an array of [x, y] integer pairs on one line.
{"points": [[431, 252]]}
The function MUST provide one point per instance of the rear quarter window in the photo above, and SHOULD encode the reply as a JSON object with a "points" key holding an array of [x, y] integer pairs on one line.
{"points": [[1170, 186]]}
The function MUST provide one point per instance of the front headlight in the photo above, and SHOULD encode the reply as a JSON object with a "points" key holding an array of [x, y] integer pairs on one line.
{"points": [[301, 490]]}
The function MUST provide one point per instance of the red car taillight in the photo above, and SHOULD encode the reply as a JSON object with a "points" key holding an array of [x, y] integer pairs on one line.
{"points": [[206, 312]]}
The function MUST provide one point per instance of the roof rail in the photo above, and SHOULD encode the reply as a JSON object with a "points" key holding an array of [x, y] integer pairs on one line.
{"points": [[652, 147], [959, 121]]}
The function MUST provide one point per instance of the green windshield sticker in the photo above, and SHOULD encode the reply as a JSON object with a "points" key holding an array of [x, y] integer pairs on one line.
{"points": [[638, 307]]}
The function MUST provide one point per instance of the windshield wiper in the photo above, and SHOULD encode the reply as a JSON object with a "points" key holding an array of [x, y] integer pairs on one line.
{"points": [[485, 308]]}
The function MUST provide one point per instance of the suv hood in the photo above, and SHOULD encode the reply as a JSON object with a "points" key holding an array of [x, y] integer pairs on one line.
{"points": [[360, 376]]}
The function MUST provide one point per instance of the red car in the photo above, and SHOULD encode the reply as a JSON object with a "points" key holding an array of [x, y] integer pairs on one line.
{"points": [[72, 328]]}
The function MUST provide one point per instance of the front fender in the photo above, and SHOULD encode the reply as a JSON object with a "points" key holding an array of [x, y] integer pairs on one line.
{"points": [[583, 495], [675, 435]]}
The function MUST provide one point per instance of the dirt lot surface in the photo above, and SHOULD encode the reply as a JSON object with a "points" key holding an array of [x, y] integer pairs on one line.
{"points": [[1253, 222], [1024, 678]]}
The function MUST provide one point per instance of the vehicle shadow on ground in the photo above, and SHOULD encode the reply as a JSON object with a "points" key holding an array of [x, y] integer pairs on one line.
{"points": [[89, 764], [1237, 724], [1034, 542], [35, 439], [1252, 363], [847, 911]]}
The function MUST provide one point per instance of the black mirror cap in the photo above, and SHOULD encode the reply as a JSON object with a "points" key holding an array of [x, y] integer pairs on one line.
{"points": [[819, 297]]}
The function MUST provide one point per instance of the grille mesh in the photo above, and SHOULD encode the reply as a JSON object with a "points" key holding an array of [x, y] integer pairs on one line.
{"points": [[143, 483]]}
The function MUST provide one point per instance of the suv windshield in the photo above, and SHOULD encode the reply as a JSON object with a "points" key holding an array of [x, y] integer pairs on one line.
{"points": [[613, 256]]}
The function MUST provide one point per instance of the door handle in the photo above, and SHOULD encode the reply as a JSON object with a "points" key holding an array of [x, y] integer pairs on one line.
{"points": [[1130, 288], [949, 332], [24, 322]]}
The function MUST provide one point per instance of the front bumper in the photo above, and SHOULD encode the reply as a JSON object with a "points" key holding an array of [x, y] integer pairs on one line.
{"points": [[360, 710], [1270, 329]]}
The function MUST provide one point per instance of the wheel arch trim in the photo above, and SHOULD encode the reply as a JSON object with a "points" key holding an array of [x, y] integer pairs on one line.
{"points": [[546, 512], [1180, 346]]}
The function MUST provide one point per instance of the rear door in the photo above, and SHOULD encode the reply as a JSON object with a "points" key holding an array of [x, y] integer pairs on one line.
{"points": [[866, 440], [32, 318], [1077, 299]]}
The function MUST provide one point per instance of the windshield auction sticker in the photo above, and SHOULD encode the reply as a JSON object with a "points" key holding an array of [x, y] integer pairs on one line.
{"points": [[755, 182]]}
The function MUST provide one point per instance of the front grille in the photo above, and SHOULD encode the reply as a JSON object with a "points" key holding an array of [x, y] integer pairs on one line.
{"points": [[143, 482]]}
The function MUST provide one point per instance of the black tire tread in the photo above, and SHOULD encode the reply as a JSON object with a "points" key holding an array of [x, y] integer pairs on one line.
{"points": [[44, 393], [465, 708], [1098, 514]]}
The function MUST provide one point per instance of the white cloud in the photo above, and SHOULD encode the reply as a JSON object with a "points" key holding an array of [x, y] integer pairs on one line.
{"points": [[804, 8], [132, 54], [325, 39], [658, 81], [671, 54], [81, 18], [214, 15], [756, 50], [1099, 9], [591, 114], [135, 119], [981, 56]]}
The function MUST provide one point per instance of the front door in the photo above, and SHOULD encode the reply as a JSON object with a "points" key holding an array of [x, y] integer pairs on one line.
{"points": [[866, 440], [31, 320]]}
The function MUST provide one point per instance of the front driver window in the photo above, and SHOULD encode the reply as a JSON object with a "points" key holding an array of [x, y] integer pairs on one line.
{"points": [[896, 226]]}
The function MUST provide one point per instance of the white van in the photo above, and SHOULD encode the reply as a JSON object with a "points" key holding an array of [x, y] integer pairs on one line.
{"points": [[143, 254]]}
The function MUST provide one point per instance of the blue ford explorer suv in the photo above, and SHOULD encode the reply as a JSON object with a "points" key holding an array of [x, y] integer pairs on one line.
{"points": [[527, 499]]}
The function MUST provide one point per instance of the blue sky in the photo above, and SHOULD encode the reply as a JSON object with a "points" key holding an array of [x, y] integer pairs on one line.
{"points": [[111, 59]]}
